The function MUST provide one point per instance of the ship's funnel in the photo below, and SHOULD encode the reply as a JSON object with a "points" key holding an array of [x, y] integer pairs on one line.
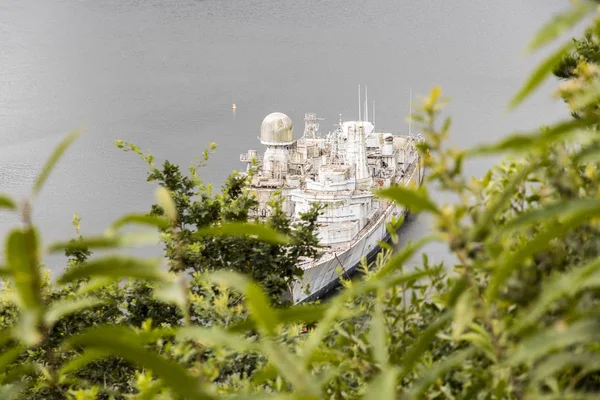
{"points": [[362, 170], [356, 150]]}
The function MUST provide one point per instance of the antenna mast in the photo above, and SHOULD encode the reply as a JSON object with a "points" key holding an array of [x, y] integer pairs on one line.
{"points": [[410, 113], [366, 104], [359, 102]]}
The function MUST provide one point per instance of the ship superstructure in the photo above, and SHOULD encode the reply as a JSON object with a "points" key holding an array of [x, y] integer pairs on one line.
{"points": [[339, 170]]}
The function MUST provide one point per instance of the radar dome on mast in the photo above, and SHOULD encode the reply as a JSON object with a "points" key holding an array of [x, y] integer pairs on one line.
{"points": [[276, 129]]}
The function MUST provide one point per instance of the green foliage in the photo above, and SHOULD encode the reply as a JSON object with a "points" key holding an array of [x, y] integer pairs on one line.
{"points": [[547, 34], [7, 202], [560, 24], [212, 232], [515, 318], [53, 160]]}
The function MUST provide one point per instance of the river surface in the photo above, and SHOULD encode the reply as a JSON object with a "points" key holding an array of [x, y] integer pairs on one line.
{"points": [[165, 73]]}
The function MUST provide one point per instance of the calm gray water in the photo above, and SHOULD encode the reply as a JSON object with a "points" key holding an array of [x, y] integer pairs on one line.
{"points": [[164, 74]]}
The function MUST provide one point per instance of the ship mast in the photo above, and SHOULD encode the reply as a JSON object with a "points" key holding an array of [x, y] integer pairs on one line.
{"points": [[366, 104], [410, 112], [311, 126], [359, 102], [373, 113], [336, 157]]}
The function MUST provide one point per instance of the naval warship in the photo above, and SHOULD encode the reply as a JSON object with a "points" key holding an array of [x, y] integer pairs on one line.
{"points": [[340, 170]]}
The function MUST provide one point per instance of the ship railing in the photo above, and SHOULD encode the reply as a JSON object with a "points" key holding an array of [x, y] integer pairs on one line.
{"points": [[245, 157]]}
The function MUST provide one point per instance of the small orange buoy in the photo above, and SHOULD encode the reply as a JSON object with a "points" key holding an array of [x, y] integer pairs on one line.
{"points": [[234, 107]]}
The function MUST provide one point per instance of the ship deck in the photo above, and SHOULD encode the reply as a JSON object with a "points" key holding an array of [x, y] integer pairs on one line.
{"points": [[328, 252]]}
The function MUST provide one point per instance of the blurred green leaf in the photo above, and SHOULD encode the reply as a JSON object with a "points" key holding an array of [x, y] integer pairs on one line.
{"points": [[565, 209], [151, 393], [309, 350], [82, 360], [557, 287], [123, 342], [499, 202], [9, 356], [588, 153], [456, 290], [172, 292], [336, 305], [298, 313], [7, 202], [152, 335], [525, 142], [291, 368], [454, 360], [27, 327], [561, 23], [414, 353], [215, 336], [5, 336], [588, 362], [64, 307], [21, 258], [22, 370], [378, 335], [166, 201], [93, 284], [99, 242], [11, 392], [383, 386], [123, 240], [552, 339], [53, 160], [264, 374], [256, 299], [511, 261], [116, 267], [141, 219], [569, 394], [281, 360], [5, 272], [463, 313], [588, 97], [301, 313], [398, 260], [538, 76], [481, 340], [415, 200], [260, 231], [486, 179], [271, 396]]}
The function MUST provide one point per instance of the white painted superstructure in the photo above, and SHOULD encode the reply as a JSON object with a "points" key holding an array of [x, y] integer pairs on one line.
{"points": [[339, 170]]}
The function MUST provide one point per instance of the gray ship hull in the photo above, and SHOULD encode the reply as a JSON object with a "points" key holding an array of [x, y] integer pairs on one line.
{"points": [[323, 277]]}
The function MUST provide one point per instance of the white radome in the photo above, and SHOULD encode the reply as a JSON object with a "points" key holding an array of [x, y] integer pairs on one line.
{"points": [[276, 128]]}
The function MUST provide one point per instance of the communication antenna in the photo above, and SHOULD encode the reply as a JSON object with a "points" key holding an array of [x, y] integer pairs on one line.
{"points": [[366, 104], [373, 112], [410, 113], [359, 101]]}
